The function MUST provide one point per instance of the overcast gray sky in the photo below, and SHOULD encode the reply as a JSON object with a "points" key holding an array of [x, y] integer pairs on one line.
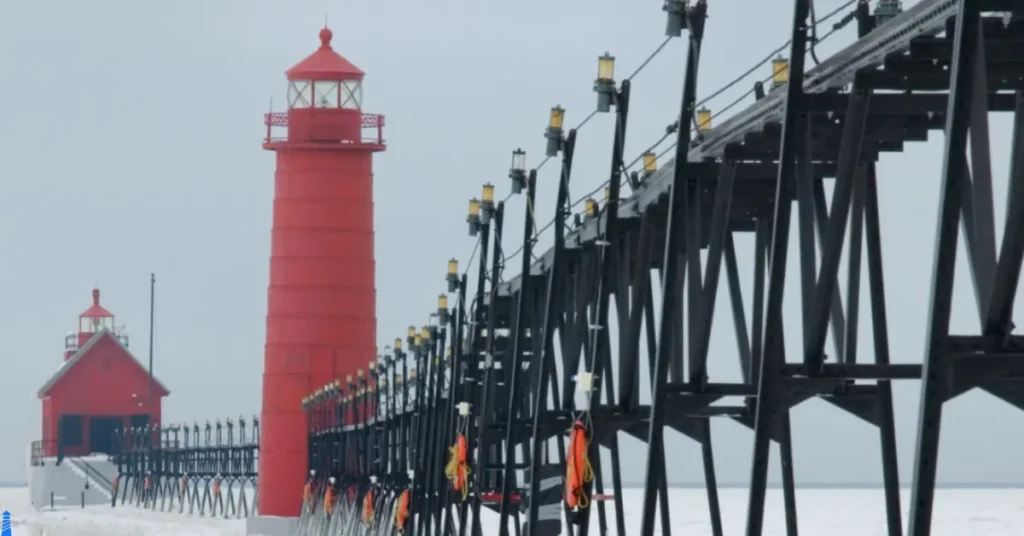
{"points": [[130, 143]]}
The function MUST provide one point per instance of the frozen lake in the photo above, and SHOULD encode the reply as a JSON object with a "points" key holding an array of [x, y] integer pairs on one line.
{"points": [[835, 512]]}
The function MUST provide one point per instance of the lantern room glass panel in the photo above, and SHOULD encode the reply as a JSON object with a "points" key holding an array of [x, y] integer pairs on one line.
{"points": [[95, 324], [300, 94], [326, 93], [352, 95]]}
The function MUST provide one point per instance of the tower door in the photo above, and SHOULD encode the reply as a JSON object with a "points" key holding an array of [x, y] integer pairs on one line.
{"points": [[101, 434]]}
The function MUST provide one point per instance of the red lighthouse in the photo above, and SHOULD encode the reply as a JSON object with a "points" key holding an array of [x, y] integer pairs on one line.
{"points": [[321, 301]]}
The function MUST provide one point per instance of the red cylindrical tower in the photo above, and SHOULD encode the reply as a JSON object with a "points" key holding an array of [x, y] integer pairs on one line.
{"points": [[321, 310]]}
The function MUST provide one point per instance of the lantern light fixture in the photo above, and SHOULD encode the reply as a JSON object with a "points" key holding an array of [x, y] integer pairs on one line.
{"points": [[780, 71], [591, 208], [554, 131], [604, 86], [650, 163], [442, 309], [703, 120], [886, 10], [676, 11], [473, 218], [452, 277], [518, 171], [487, 204]]}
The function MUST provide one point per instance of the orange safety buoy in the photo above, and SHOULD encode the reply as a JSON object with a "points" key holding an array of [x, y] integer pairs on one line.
{"points": [[402, 512], [457, 469], [329, 500], [578, 471], [307, 495], [145, 482], [216, 486], [368, 507]]}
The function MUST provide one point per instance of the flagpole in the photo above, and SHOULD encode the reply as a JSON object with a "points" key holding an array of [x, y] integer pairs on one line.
{"points": [[152, 301]]}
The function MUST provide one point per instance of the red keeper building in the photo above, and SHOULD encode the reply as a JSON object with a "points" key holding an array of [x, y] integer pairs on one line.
{"points": [[99, 389]]}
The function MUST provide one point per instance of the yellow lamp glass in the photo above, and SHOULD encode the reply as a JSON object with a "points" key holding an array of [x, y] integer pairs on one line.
{"points": [[780, 70], [412, 331], [703, 119], [606, 67], [557, 117], [591, 208], [488, 193], [425, 334], [417, 340], [453, 267], [442, 302], [398, 343], [359, 373], [474, 207], [348, 378], [650, 162]]}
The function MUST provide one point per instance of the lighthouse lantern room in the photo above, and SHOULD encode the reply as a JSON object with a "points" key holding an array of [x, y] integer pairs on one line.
{"points": [[99, 389]]}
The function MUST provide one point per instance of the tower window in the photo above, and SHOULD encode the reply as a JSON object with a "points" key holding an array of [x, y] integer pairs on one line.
{"points": [[352, 95], [326, 92], [300, 94]]}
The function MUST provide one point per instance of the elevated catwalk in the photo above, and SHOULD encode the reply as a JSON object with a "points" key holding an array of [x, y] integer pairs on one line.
{"points": [[521, 374]]}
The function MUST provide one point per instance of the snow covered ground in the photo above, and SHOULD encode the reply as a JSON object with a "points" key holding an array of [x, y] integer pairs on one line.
{"points": [[836, 512], [107, 521]]}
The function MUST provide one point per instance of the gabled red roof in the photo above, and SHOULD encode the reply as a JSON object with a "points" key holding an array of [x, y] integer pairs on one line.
{"points": [[325, 64], [62, 372], [96, 310]]}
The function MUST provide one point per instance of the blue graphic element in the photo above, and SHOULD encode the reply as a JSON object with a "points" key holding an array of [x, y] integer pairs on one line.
{"points": [[5, 524]]}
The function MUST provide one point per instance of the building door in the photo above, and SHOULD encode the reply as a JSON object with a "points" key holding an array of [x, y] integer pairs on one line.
{"points": [[101, 434], [139, 420], [69, 436]]}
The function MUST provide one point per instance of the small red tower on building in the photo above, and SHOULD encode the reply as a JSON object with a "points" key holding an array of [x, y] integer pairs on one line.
{"points": [[98, 389], [321, 310]]}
